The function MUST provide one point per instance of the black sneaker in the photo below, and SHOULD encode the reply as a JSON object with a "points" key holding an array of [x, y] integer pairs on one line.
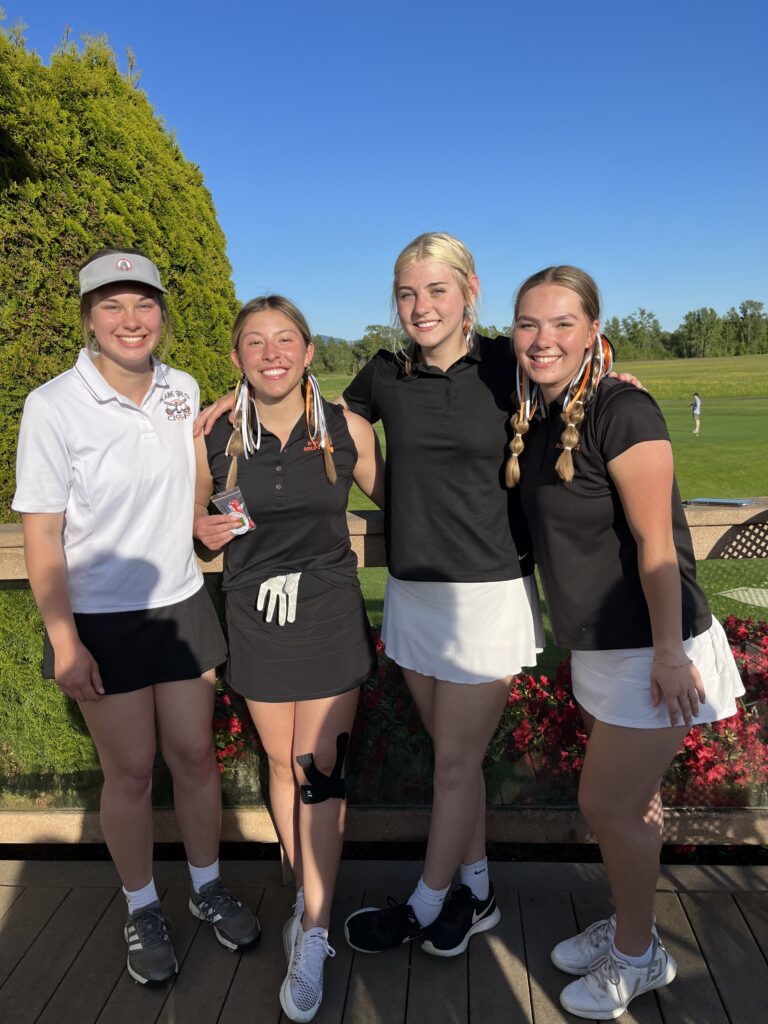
{"points": [[150, 953], [235, 924], [374, 929], [463, 916]]}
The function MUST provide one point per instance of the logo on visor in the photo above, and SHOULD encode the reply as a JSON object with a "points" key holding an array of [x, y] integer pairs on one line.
{"points": [[123, 264]]}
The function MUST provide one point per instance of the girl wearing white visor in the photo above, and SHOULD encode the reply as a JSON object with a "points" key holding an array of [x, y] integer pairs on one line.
{"points": [[105, 483]]}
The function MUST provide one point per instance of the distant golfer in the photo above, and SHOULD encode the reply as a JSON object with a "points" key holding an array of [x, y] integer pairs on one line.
{"points": [[696, 409]]}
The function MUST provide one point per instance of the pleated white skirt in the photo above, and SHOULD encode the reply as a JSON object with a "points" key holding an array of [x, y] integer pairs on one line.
{"points": [[615, 686], [463, 632]]}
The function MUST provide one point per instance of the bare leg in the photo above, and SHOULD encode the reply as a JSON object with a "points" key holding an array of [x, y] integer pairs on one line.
{"points": [[619, 797], [122, 727], [275, 725], [463, 721], [423, 690], [321, 825], [184, 712]]}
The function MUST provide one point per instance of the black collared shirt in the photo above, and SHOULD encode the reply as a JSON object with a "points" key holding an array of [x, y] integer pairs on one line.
{"points": [[301, 522], [448, 514], [584, 547]]}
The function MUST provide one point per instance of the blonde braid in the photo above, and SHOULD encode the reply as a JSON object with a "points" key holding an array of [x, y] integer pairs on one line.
{"points": [[512, 470], [572, 418], [234, 449]]}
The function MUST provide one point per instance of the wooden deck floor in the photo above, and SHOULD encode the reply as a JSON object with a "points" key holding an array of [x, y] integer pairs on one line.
{"points": [[62, 951]]}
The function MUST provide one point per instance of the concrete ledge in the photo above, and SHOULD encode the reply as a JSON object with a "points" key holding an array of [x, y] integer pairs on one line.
{"points": [[706, 825]]}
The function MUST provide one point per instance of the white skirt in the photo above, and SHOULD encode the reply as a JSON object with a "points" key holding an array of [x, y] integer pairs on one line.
{"points": [[615, 686], [463, 632]]}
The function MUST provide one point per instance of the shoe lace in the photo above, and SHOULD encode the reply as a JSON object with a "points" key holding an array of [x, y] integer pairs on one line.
{"points": [[151, 926], [598, 932], [604, 973], [220, 899]]}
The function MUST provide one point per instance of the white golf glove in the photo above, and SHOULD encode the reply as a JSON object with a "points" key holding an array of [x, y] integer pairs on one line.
{"points": [[281, 592]]}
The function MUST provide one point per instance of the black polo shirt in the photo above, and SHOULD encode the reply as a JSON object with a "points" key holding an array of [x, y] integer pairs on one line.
{"points": [[584, 547], [301, 522], [448, 515]]}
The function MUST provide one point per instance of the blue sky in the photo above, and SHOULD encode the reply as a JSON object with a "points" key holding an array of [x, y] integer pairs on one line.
{"points": [[626, 137]]}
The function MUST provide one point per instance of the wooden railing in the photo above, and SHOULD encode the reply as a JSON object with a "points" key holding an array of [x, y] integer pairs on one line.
{"points": [[717, 531]]}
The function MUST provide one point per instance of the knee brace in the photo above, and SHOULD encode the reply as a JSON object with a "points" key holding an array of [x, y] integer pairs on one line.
{"points": [[324, 787]]}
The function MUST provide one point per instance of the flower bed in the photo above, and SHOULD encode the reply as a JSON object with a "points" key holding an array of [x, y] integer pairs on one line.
{"points": [[537, 752]]}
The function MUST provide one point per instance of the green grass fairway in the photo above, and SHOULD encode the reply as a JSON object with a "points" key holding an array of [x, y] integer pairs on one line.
{"points": [[726, 377]]}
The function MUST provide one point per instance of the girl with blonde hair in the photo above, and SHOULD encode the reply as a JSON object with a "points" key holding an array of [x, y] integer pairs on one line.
{"points": [[461, 613], [299, 640], [592, 461]]}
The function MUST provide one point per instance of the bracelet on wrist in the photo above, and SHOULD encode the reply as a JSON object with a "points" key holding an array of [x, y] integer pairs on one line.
{"points": [[674, 668]]}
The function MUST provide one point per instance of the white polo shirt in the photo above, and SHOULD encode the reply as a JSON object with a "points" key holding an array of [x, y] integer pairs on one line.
{"points": [[124, 476]]}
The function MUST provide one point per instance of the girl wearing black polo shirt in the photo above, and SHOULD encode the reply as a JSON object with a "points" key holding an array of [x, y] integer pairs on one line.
{"points": [[105, 451], [594, 466], [294, 458], [461, 612]]}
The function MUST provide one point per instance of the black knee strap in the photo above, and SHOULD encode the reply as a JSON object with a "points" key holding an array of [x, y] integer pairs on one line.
{"points": [[324, 787]]}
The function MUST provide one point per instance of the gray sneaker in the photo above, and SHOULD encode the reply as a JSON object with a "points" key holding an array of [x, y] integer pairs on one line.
{"points": [[150, 953], [235, 924]]}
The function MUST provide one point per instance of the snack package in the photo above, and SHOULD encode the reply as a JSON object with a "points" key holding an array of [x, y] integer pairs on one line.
{"points": [[231, 503]]}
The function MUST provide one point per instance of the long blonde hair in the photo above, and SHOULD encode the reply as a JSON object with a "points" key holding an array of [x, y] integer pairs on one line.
{"points": [[597, 362]]}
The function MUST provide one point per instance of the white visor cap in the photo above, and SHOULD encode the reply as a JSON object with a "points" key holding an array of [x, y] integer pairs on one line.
{"points": [[119, 266]]}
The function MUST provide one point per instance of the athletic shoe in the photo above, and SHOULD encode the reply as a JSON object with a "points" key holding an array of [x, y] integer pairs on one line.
{"points": [[150, 953], [302, 990], [374, 929], [578, 954], [463, 916], [611, 985], [234, 924]]}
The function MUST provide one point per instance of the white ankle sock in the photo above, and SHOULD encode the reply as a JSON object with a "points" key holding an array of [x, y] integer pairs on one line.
{"points": [[201, 876], [427, 903], [298, 907], [141, 897], [476, 877], [634, 961]]}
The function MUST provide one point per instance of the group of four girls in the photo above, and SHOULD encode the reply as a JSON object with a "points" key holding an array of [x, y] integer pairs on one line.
{"points": [[497, 454]]}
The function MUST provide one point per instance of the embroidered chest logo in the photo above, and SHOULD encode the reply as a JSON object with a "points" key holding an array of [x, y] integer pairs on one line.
{"points": [[177, 405]]}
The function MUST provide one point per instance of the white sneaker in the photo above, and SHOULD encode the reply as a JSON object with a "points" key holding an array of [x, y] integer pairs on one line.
{"points": [[611, 985], [290, 926], [302, 990], [578, 954]]}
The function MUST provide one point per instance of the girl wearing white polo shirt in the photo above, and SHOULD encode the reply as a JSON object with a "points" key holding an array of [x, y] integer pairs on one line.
{"points": [[105, 483], [593, 462]]}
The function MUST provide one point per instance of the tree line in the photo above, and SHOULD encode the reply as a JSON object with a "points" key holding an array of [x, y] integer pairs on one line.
{"points": [[702, 332]]}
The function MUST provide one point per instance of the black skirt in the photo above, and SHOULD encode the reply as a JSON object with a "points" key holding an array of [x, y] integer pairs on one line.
{"points": [[326, 651], [158, 645]]}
